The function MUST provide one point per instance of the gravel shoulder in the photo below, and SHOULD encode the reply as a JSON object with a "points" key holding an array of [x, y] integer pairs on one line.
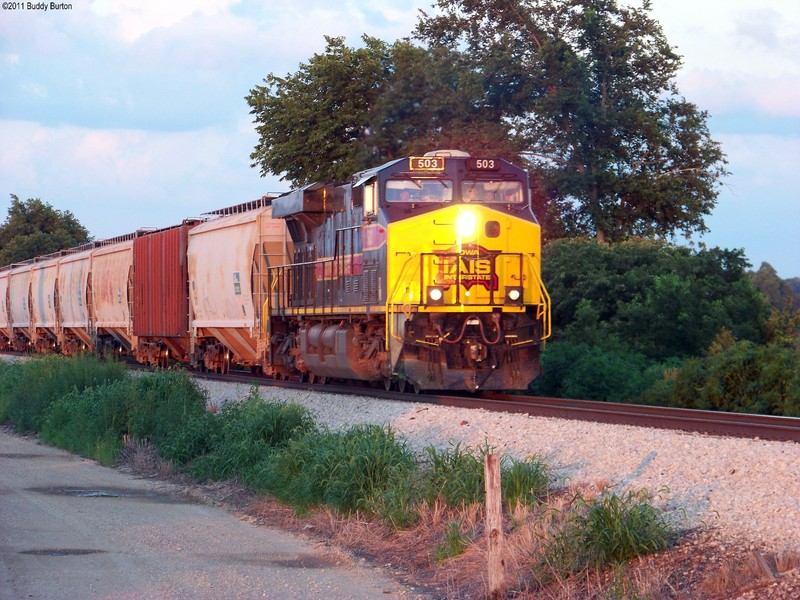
{"points": [[746, 491]]}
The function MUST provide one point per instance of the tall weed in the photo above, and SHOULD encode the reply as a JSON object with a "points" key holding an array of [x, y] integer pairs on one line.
{"points": [[607, 530], [524, 482], [454, 475], [89, 422], [350, 471], [162, 403], [29, 387], [241, 437]]}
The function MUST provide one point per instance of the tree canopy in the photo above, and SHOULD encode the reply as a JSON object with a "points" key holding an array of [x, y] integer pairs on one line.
{"points": [[588, 86], [349, 109], [650, 297], [582, 91], [34, 228]]}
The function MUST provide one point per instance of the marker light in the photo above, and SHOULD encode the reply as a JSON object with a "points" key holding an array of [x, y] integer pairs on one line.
{"points": [[465, 224], [514, 294]]}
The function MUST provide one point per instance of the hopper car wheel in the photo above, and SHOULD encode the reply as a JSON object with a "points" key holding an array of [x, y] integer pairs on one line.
{"points": [[388, 383], [402, 385], [415, 386], [318, 379]]}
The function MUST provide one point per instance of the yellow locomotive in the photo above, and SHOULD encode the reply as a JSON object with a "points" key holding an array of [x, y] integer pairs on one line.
{"points": [[422, 273]]}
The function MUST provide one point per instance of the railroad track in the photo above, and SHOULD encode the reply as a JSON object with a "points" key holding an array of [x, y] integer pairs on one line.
{"points": [[764, 427], [743, 425]]}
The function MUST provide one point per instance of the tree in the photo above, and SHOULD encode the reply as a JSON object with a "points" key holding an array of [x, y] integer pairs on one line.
{"points": [[349, 109], [651, 297], [312, 124], [34, 228], [588, 87], [776, 290]]}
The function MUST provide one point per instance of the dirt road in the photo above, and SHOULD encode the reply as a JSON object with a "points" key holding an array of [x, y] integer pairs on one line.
{"points": [[70, 528]]}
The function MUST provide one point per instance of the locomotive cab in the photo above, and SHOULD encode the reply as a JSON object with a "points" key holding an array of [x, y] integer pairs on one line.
{"points": [[421, 272]]}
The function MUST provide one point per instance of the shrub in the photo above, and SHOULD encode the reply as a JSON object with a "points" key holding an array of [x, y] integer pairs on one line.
{"points": [[662, 300], [589, 372], [735, 377]]}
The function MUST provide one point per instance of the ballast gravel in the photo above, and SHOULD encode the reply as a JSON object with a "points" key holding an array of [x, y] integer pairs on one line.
{"points": [[747, 491]]}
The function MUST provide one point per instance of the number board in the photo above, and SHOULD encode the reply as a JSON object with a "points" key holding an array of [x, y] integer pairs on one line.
{"points": [[483, 164], [426, 163]]}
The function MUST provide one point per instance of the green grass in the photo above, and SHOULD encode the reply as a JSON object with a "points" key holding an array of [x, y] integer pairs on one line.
{"points": [[607, 530], [454, 543], [453, 475], [91, 422], [351, 471], [29, 387], [525, 482], [241, 440]]}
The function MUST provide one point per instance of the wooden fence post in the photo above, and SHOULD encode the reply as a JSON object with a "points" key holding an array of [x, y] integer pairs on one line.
{"points": [[494, 526]]}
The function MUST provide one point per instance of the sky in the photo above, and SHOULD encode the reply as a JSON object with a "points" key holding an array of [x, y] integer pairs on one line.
{"points": [[132, 113]]}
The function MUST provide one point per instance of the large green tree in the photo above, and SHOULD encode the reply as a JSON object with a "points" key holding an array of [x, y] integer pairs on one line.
{"points": [[348, 109], [588, 86], [312, 124], [34, 228], [650, 297]]}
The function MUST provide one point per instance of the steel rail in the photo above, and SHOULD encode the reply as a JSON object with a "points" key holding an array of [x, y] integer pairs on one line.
{"points": [[747, 425], [744, 425]]}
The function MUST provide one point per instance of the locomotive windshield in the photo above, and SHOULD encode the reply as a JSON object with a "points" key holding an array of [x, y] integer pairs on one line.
{"points": [[419, 190], [506, 192]]}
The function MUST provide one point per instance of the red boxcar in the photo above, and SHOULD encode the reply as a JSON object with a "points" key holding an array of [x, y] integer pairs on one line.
{"points": [[161, 295]]}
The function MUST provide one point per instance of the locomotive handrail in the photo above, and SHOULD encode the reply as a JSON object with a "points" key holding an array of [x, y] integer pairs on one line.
{"points": [[543, 312], [390, 299]]}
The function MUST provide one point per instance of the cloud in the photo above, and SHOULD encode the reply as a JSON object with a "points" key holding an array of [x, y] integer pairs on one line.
{"points": [[724, 92], [116, 181], [131, 19], [742, 58]]}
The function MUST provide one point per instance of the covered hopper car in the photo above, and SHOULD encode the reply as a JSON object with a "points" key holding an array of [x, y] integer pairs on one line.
{"points": [[423, 273]]}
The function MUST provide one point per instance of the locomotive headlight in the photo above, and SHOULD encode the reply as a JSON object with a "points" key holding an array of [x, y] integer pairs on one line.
{"points": [[466, 224], [435, 295], [514, 295]]}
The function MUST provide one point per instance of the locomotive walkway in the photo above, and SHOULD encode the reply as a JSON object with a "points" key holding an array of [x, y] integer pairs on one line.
{"points": [[70, 528]]}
